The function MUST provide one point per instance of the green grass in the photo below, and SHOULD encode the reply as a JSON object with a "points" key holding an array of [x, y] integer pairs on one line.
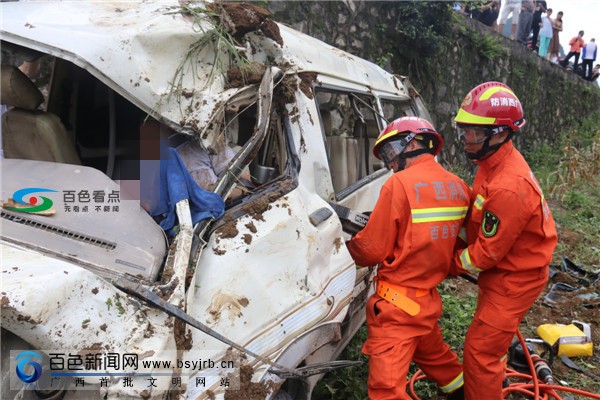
{"points": [[568, 173], [349, 383]]}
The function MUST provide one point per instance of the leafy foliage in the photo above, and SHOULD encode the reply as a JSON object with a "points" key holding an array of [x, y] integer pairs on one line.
{"points": [[488, 46], [420, 28]]}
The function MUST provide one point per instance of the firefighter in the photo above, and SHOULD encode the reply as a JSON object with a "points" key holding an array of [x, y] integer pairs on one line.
{"points": [[411, 234], [510, 234]]}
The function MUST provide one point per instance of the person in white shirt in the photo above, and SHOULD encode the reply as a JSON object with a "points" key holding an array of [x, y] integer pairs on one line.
{"points": [[588, 56], [545, 33], [510, 7]]}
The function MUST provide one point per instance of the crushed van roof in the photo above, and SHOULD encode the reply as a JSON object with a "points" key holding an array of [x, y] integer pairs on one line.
{"points": [[136, 48]]}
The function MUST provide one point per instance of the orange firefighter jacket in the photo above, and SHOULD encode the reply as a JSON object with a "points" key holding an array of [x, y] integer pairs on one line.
{"points": [[414, 226], [510, 227]]}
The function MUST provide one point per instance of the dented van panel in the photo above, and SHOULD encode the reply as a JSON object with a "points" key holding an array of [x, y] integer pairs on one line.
{"points": [[278, 124]]}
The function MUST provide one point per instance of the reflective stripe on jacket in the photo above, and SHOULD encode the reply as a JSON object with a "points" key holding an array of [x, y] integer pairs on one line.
{"points": [[414, 225], [510, 226]]}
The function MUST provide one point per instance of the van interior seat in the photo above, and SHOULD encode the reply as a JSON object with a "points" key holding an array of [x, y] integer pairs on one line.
{"points": [[371, 129], [28, 133], [343, 154]]}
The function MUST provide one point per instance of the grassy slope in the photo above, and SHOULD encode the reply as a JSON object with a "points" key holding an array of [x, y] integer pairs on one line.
{"points": [[568, 172]]}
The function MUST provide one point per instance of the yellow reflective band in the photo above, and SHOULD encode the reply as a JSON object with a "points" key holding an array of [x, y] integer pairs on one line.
{"points": [[438, 214], [492, 91], [463, 234], [455, 384], [464, 117], [467, 265], [387, 135], [478, 203]]}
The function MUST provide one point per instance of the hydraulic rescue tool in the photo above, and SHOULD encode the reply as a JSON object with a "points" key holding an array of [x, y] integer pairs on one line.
{"points": [[518, 359]]}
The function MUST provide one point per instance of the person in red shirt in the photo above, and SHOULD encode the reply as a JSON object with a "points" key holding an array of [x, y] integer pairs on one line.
{"points": [[510, 234], [576, 44], [411, 234]]}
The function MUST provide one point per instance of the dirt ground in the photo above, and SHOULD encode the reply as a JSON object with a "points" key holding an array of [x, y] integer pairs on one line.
{"points": [[582, 304]]}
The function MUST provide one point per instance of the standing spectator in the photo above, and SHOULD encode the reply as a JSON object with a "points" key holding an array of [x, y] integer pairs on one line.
{"points": [[588, 57], [404, 236], [545, 33], [489, 13], [536, 23], [554, 48], [510, 7], [577, 44], [525, 18], [510, 231]]}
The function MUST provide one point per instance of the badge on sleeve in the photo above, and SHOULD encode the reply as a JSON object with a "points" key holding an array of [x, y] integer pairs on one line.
{"points": [[489, 225]]}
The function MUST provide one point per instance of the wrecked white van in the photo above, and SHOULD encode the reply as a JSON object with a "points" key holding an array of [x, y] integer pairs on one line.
{"points": [[254, 295]]}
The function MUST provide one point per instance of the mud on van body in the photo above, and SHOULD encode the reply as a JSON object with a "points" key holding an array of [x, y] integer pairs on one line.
{"points": [[120, 82]]}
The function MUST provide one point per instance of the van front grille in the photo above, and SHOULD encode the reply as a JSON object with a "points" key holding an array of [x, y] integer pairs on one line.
{"points": [[23, 220]]}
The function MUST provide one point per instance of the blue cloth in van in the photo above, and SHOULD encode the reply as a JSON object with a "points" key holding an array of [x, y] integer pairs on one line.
{"points": [[177, 184]]}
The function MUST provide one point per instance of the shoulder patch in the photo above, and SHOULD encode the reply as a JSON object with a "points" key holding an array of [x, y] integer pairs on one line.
{"points": [[489, 225]]}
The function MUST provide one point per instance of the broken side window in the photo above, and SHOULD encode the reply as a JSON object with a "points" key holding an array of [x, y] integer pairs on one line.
{"points": [[393, 109], [270, 161], [350, 128]]}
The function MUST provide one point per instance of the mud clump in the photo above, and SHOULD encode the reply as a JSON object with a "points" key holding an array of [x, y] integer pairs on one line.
{"points": [[4, 302], [228, 230], [246, 74], [306, 81], [145, 395], [251, 227], [285, 93], [166, 291], [337, 243], [271, 30], [242, 18], [248, 390], [93, 349], [257, 208], [247, 238], [218, 251], [28, 319], [183, 340]]}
